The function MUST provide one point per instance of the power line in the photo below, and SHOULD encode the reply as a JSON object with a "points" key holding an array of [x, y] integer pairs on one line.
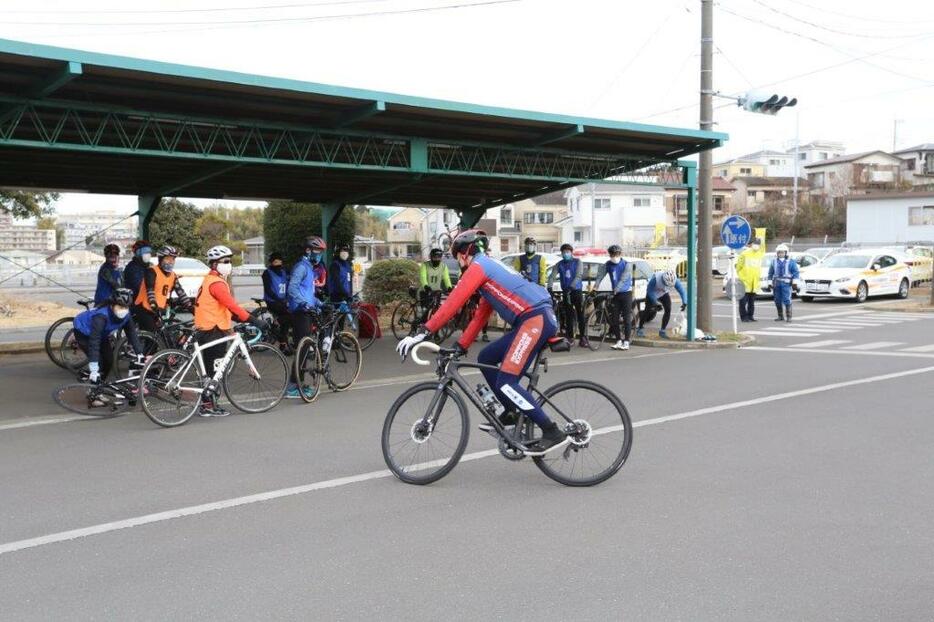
{"points": [[878, 20], [166, 11], [733, 65], [834, 30], [280, 20]]}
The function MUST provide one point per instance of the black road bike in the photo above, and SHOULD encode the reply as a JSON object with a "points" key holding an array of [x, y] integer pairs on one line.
{"points": [[427, 427]]}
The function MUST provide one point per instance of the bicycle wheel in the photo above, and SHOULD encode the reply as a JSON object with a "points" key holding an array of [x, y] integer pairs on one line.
{"points": [[404, 318], [597, 327], [170, 388], [70, 353], [54, 337], [360, 318], [444, 332], [270, 336], [421, 447], [258, 387], [124, 354], [90, 399], [343, 362], [604, 437], [307, 369]]}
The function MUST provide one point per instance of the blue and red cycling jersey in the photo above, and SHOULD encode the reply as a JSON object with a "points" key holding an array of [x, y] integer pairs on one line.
{"points": [[501, 288]]}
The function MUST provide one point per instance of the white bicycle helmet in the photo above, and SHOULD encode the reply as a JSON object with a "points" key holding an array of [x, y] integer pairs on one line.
{"points": [[668, 278], [218, 252], [781, 247]]}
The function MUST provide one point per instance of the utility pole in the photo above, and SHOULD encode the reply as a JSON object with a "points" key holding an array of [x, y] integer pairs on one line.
{"points": [[794, 197], [705, 174]]}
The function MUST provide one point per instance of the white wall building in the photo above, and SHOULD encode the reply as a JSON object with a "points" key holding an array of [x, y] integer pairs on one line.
{"points": [[890, 218], [918, 167], [622, 214], [78, 227], [24, 237], [776, 163]]}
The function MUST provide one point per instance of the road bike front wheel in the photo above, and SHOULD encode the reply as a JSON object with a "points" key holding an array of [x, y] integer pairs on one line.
{"points": [[257, 384], [170, 388], [597, 327], [70, 353], [54, 337], [404, 318], [424, 438], [344, 362], [90, 399], [602, 438], [124, 354], [306, 367]]}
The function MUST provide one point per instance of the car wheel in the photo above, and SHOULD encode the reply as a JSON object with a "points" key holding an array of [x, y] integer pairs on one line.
{"points": [[903, 289], [807, 298], [862, 292]]}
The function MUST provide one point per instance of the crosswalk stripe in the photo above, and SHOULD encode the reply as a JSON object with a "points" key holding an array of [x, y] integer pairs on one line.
{"points": [[875, 345], [840, 325], [917, 316], [848, 322], [929, 348], [813, 329], [820, 344], [786, 333]]}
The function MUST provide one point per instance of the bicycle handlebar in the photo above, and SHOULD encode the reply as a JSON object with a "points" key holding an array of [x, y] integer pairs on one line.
{"points": [[430, 345]]}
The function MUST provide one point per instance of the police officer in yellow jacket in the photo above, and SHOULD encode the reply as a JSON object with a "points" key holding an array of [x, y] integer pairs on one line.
{"points": [[748, 269]]}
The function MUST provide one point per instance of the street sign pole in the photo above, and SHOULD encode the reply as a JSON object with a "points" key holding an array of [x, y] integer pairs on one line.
{"points": [[735, 233], [733, 289]]}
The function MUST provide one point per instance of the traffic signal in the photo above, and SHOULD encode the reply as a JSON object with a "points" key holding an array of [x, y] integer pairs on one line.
{"points": [[765, 103]]}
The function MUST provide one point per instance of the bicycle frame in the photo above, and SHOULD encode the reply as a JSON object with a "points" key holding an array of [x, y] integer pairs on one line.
{"points": [[237, 345]]}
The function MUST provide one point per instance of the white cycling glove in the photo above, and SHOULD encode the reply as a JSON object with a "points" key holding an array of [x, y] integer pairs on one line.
{"points": [[95, 369]]}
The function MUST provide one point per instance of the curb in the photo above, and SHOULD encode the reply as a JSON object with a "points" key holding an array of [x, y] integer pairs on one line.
{"points": [[675, 344], [919, 308], [22, 347]]}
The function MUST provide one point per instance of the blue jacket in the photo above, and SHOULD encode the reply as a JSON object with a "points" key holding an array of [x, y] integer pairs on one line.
{"points": [[620, 276], [109, 278], [275, 284], [656, 289], [133, 274], [97, 325], [301, 288], [784, 269], [570, 274], [340, 279]]}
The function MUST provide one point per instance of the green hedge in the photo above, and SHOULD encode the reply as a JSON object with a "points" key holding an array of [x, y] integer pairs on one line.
{"points": [[287, 224], [389, 280]]}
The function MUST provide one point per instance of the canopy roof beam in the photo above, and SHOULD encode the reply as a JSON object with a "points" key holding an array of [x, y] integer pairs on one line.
{"points": [[360, 114], [576, 130]]}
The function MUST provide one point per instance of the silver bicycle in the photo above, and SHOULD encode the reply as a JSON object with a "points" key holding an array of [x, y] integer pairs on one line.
{"points": [[252, 375]]}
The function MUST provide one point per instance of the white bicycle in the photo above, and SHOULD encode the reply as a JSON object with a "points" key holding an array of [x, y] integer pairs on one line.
{"points": [[253, 376]]}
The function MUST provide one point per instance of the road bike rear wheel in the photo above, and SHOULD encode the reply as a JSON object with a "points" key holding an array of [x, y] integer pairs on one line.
{"points": [[344, 362], [307, 369], [355, 322], [603, 439], [259, 392], [92, 400], [170, 388], [70, 353], [404, 319], [54, 337], [597, 327], [124, 355], [420, 452]]}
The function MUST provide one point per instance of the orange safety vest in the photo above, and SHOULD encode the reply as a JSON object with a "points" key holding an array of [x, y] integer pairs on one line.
{"points": [[162, 289], [209, 312]]}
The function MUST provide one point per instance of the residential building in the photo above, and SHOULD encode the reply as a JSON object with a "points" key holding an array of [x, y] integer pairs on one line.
{"points": [[817, 151], [918, 165], [620, 213], [538, 218], [76, 257], [858, 173], [751, 194], [405, 235], [24, 237], [891, 218], [676, 204], [255, 253], [100, 226], [739, 168], [773, 164], [508, 229]]}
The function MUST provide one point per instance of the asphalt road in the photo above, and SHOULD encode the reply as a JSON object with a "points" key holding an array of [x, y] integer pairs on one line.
{"points": [[784, 481]]}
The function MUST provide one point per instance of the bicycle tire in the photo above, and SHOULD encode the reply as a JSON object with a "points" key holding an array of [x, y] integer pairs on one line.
{"points": [[409, 474], [365, 342], [344, 344], [403, 320], [74, 397], [273, 363], [596, 326], [72, 356], [306, 376], [53, 343], [124, 354], [269, 336], [548, 462], [152, 392]]}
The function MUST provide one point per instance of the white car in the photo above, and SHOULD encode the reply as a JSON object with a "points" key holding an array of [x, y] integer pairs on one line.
{"points": [[857, 275], [917, 258], [804, 260]]}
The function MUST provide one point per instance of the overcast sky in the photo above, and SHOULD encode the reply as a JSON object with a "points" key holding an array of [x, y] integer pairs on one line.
{"points": [[856, 66]]}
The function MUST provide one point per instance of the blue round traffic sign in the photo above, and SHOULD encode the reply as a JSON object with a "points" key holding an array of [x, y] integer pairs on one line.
{"points": [[735, 232]]}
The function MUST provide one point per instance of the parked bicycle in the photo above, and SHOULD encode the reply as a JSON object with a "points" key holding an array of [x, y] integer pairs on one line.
{"points": [[60, 344], [327, 353], [427, 427], [108, 399], [598, 320], [409, 313], [357, 320], [252, 375]]}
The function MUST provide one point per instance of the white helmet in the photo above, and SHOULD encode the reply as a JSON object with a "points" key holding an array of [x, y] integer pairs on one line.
{"points": [[668, 278], [219, 252], [781, 247]]}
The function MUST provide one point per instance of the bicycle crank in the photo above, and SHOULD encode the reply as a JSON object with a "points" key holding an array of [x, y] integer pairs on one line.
{"points": [[509, 451]]}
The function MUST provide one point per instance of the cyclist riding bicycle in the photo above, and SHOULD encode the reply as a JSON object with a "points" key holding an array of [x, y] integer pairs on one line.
{"points": [[93, 329], [570, 273], [136, 269], [620, 272], [340, 276], [657, 295], [302, 299], [532, 265], [316, 258], [215, 308], [275, 284], [525, 306], [158, 283], [433, 276], [109, 276]]}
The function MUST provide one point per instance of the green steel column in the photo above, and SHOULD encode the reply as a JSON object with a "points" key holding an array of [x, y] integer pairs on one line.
{"points": [[690, 180], [146, 209], [330, 212], [470, 217]]}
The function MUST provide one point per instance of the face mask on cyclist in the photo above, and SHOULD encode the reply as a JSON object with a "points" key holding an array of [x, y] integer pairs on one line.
{"points": [[145, 256], [344, 255], [224, 269], [616, 259], [120, 312], [567, 255], [313, 256], [167, 266], [530, 249]]}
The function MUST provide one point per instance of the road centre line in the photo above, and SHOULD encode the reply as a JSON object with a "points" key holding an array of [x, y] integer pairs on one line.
{"points": [[146, 519]]}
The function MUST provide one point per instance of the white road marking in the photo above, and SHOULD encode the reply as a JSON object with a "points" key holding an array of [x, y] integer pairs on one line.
{"points": [[929, 348], [844, 325], [192, 510], [899, 315], [785, 333], [32, 421], [875, 345], [807, 327], [900, 353], [819, 344]]}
